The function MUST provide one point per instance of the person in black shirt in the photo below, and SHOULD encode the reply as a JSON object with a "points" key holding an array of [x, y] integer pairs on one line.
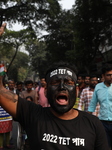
{"points": [[59, 126]]}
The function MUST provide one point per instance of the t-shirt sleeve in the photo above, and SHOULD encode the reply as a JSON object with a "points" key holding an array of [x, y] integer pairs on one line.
{"points": [[26, 111]]}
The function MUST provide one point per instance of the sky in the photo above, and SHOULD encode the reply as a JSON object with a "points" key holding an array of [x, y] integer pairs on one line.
{"points": [[66, 4]]}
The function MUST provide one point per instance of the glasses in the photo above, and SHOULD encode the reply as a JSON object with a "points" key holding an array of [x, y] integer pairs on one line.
{"points": [[108, 75]]}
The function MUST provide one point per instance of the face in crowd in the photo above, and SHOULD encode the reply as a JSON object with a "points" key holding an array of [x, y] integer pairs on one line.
{"points": [[80, 80], [29, 85], [93, 82], [43, 82], [61, 89], [87, 80], [107, 76], [19, 87], [11, 85]]}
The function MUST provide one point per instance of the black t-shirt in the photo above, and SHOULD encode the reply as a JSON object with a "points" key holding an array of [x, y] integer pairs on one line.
{"points": [[47, 132]]}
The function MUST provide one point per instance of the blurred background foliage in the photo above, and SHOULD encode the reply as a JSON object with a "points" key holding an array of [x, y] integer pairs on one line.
{"points": [[78, 35]]}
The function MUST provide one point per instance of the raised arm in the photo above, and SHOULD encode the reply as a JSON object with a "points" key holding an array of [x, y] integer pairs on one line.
{"points": [[2, 28], [8, 100]]}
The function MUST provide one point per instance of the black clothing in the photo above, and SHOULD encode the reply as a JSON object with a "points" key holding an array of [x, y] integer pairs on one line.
{"points": [[47, 132]]}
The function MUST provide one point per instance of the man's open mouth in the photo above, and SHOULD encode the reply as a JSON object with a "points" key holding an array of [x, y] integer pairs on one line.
{"points": [[62, 99]]}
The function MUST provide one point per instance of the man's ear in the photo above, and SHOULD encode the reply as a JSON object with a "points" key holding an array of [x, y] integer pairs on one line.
{"points": [[103, 77]]}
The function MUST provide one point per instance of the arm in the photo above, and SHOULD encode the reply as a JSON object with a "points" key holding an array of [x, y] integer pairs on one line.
{"points": [[93, 102], [2, 29], [36, 98], [8, 100]]}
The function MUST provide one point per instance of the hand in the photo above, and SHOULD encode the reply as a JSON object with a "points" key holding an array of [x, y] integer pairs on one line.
{"points": [[2, 28]]}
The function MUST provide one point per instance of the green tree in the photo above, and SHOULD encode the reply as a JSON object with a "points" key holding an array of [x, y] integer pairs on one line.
{"points": [[59, 41], [27, 12], [19, 68], [11, 43], [38, 56], [92, 23]]}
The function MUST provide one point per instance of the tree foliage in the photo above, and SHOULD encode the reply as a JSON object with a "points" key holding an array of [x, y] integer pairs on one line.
{"points": [[19, 67], [10, 46], [27, 12], [60, 38], [30, 13], [92, 24], [75, 35], [38, 56]]}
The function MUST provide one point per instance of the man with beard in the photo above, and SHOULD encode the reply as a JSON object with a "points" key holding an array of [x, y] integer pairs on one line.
{"points": [[59, 126], [11, 86], [87, 94], [87, 80], [81, 84], [29, 91]]}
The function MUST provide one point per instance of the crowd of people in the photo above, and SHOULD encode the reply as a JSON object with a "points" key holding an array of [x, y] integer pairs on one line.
{"points": [[36, 92], [29, 90], [47, 112]]}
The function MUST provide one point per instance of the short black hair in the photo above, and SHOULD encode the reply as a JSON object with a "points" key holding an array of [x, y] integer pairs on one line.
{"points": [[86, 75], [93, 76], [106, 67], [19, 83], [81, 75], [61, 64], [28, 82]]}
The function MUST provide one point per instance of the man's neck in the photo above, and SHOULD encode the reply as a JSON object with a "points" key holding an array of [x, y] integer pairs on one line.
{"points": [[11, 89], [66, 116], [29, 91], [107, 84], [91, 88], [81, 86]]}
